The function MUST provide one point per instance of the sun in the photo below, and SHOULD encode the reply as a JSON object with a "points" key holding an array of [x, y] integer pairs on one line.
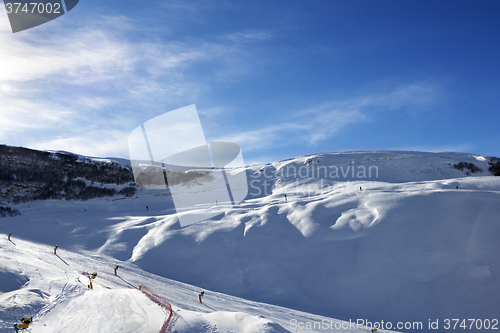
{"points": [[5, 88]]}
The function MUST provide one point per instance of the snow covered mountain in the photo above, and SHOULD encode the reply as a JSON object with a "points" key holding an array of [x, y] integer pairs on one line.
{"points": [[387, 235]]}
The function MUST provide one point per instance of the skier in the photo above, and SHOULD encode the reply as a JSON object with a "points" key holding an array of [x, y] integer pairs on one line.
{"points": [[201, 294], [285, 198], [116, 269], [55, 250], [10, 233], [147, 208], [16, 328], [360, 188]]}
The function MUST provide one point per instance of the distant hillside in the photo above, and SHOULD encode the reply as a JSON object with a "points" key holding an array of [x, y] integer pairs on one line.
{"points": [[27, 175]]}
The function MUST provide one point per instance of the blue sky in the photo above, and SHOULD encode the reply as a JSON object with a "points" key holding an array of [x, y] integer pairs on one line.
{"points": [[279, 78]]}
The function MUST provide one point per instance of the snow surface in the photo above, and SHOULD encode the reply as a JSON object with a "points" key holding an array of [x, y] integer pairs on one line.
{"points": [[408, 246], [121, 310], [56, 294]]}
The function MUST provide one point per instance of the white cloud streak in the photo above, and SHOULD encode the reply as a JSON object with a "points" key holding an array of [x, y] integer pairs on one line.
{"points": [[250, 35], [78, 90], [323, 121]]}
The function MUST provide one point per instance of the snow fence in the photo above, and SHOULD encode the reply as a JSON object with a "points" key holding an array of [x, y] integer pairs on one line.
{"points": [[161, 302]]}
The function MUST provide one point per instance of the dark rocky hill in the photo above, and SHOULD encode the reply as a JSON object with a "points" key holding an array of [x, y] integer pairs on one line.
{"points": [[28, 174]]}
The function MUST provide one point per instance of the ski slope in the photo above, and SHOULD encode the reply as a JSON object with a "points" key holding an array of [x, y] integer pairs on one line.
{"points": [[52, 289], [417, 240], [120, 310]]}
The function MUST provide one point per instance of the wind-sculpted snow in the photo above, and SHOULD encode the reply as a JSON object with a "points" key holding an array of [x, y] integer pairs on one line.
{"points": [[400, 236], [11, 280]]}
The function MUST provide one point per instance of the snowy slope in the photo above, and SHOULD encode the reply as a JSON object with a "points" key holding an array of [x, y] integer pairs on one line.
{"points": [[52, 289], [121, 310], [408, 246]]}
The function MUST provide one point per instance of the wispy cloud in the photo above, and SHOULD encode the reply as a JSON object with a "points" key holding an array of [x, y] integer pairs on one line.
{"points": [[84, 89], [319, 123], [110, 141], [249, 36], [323, 121], [80, 89]]}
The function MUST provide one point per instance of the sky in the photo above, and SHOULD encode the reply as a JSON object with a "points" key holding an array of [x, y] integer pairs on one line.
{"points": [[279, 78]]}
